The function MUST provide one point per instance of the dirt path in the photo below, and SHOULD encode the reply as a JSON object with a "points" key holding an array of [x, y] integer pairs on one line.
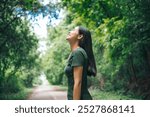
{"points": [[48, 92]]}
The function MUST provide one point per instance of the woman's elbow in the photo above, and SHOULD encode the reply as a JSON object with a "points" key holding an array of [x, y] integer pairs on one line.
{"points": [[78, 83]]}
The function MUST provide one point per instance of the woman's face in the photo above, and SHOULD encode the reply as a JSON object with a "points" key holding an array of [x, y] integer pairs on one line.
{"points": [[73, 35]]}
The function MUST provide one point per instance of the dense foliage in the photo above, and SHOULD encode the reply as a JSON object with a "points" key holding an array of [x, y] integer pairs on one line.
{"points": [[57, 53], [121, 32], [19, 59], [121, 42]]}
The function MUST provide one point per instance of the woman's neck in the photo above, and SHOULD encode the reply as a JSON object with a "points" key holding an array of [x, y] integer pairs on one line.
{"points": [[74, 46]]}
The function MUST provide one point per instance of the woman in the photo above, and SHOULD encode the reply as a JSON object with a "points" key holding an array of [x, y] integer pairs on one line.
{"points": [[81, 63]]}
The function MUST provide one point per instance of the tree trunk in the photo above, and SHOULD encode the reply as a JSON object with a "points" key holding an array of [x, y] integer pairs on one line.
{"points": [[133, 73]]}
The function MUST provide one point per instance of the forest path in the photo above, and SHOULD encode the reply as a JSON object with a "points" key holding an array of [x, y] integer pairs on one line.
{"points": [[47, 92]]}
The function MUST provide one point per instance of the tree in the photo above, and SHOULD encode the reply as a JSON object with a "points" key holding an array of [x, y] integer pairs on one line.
{"points": [[121, 39], [19, 59], [56, 56]]}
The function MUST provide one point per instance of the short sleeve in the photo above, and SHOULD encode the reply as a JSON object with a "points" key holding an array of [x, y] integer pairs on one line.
{"points": [[78, 58]]}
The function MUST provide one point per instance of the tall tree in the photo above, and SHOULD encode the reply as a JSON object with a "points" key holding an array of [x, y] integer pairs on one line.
{"points": [[18, 44]]}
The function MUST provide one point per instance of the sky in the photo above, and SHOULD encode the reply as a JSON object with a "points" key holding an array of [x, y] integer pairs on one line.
{"points": [[40, 28]]}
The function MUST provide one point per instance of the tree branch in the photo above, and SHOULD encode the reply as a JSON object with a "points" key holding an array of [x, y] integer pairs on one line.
{"points": [[105, 10]]}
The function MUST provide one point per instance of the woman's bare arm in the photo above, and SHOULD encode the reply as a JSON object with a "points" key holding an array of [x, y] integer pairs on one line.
{"points": [[77, 71]]}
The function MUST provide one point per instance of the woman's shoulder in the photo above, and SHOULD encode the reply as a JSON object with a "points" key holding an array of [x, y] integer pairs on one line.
{"points": [[80, 52]]}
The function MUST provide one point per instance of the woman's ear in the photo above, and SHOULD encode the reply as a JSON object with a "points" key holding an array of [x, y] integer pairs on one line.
{"points": [[80, 36]]}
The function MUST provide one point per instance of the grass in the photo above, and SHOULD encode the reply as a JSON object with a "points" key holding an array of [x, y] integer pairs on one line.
{"points": [[22, 95], [97, 94], [63, 87]]}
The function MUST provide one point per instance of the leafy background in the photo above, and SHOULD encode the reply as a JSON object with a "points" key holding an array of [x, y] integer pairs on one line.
{"points": [[121, 42]]}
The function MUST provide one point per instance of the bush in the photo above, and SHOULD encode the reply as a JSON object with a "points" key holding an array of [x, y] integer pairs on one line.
{"points": [[11, 85]]}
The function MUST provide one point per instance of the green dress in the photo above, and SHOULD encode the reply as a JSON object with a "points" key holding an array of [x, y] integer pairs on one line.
{"points": [[77, 58]]}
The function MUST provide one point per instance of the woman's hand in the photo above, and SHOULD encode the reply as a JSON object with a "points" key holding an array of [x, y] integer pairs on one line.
{"points": [[77, 71]]}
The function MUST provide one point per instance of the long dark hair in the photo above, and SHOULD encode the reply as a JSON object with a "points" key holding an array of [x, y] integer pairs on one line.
{"points": [[86, 44]]}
